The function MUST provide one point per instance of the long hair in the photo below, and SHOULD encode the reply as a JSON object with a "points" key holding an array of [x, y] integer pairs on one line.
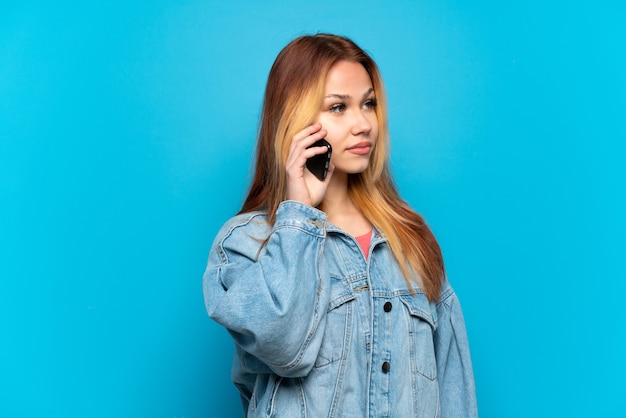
{"points": [[293, 98]]}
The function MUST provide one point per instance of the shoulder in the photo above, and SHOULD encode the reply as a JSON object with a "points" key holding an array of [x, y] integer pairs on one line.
{"points": [[243, 233], [447, 295], [449, 305], [290, 214], [250, 222]]}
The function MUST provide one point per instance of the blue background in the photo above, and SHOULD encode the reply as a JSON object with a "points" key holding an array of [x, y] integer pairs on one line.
{"points": [[126, 132]]}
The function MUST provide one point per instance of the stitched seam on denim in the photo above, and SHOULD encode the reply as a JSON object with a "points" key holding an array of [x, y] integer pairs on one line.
{"points": [[446, 294], [378, 293], [413, 333], [300, 389], [426, 316], [316, 317], [270, 405], [412, 363], [337, 302], [349, 325], [244, 222], [299, 227]]}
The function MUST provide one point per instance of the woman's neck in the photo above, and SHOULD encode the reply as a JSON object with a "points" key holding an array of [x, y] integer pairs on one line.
{"points": [[340, 208]]}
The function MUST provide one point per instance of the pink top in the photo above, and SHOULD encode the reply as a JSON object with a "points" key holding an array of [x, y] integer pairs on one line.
{"points": [[364, 243]]}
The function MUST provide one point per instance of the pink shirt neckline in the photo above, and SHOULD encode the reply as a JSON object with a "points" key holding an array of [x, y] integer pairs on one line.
{"points": [[364, 242]]}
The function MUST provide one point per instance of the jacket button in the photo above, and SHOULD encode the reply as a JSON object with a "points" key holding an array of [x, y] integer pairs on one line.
{"points": [[387, 306], [386, 367]]}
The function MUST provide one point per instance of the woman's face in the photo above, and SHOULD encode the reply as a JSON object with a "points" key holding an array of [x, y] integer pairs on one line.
{"points": [[349, 115]]}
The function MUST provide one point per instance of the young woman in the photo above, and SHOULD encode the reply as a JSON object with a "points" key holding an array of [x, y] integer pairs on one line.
{"points": [[334, 290]]}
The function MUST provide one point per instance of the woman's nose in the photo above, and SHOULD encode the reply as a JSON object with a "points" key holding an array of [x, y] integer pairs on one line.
{"points": [[361, 124]]}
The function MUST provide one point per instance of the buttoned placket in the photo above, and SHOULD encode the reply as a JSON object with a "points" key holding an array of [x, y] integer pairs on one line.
{"points": [[381, 371]]}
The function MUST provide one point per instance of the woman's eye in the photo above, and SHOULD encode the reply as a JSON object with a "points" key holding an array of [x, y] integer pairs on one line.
{"points": [[370, 104], [338, 108]]}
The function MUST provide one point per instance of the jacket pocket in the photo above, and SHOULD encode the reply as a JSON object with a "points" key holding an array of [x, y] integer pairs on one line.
{"points": [[422, 324], [338, 324], [287, 399]]}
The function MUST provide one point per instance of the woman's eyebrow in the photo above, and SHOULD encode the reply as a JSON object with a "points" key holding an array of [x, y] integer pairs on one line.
{"points": [[347, 96], [368, 92], [337, 96]]}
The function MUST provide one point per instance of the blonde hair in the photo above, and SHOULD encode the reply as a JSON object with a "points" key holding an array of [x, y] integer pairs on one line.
{"points": [[293, 97]]}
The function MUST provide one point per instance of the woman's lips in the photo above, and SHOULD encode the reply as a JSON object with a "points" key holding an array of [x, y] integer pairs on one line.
{"points": [[362, 148]]}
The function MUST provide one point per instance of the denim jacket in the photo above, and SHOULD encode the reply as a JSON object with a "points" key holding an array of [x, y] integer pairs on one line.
{"points": [[321, 331]]}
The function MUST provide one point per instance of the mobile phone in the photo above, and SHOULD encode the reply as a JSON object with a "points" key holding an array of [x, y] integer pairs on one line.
{"points": [[318, 164]]}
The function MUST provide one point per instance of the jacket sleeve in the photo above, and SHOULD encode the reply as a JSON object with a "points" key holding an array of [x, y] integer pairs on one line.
{"points": [[271, 297], [454, 366]]}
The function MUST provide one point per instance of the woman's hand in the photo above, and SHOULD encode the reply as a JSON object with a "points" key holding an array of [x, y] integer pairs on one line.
{"points": [[302, 185]]}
